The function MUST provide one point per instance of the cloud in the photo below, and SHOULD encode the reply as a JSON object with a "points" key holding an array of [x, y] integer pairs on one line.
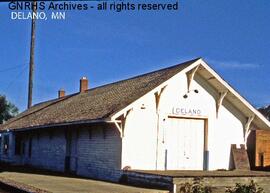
{"points": [[233, 64]]}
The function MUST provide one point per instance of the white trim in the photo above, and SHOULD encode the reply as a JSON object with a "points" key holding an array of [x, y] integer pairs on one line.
{"points": [[190, 76], [247, 126], [219, 102], [158, 96], [236, 94], [120, 124], [118, 128], [250, 119]]}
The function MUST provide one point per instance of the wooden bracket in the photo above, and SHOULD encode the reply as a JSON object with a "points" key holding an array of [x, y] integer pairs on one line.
{"points": [[122, 122], [219, 101], [157, 96], [118, 125], [190, 76], [247, 126]]}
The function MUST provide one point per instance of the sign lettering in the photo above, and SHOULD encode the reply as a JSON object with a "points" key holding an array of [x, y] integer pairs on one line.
{"points": [[186, 111]]}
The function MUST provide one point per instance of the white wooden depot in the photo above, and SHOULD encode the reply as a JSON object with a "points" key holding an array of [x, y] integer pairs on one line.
{"points": [[187, 123]]}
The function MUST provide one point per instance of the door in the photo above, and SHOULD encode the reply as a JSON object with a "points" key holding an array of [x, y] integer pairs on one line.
{"points": [[71, 151], [185, 144]]}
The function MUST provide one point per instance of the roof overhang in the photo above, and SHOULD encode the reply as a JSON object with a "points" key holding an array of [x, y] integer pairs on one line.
{"points": [[96, 121], [232, 96]]}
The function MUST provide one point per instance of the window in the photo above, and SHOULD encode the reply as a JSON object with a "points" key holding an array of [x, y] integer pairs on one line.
{"points": [[6, 143], [18, 144]]}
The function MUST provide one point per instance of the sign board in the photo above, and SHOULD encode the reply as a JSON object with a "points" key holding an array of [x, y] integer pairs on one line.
{"points": [[186, 111]]}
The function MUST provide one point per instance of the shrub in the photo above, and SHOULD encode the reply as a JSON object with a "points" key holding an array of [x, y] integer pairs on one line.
{"points": [[243, 188], [195, 187]]}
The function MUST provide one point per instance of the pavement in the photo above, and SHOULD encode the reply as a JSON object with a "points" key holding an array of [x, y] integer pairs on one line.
{"points": [[60, 184]]}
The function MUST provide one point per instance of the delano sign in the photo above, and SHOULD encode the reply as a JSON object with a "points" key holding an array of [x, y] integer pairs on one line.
{"points": [[186, 111]]}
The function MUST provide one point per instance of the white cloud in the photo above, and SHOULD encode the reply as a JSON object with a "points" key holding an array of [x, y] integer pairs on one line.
{"points": [[233, 64]]}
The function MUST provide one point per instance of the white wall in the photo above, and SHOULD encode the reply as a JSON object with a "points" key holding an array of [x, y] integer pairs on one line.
{"points": [[139, 142]]}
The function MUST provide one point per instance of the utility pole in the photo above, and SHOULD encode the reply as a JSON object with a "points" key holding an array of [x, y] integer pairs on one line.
{"points": [[32, 55]]}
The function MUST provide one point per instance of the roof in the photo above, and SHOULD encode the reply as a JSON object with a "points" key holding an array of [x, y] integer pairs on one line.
{"points": [[95, 104]]}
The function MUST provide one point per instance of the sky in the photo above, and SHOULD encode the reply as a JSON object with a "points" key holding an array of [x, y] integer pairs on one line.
{"points": [[106, 46]]}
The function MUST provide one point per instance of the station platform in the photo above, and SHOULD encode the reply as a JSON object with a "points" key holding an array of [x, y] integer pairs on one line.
{"points": [[174, 180]]}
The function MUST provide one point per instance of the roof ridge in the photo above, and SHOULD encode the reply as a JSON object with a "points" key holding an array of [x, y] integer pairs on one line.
{"points": [[145, 74], [47, 105], [136, 76]]}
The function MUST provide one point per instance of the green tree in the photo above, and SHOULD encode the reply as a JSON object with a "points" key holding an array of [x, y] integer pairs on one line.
{"points": [[7, 109]]}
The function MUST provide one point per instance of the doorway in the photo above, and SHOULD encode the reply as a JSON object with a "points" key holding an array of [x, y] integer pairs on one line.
{"points": [[71, 151], [185, 144]]}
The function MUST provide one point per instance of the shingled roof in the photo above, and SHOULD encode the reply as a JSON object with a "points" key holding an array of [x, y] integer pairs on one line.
{"points": [[95, 104]]}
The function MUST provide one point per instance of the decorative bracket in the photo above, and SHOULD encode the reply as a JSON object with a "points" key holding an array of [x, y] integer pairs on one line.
{"points": [[120, 124], [157, 96], [247, 126], [219, 102], [190, 76]]}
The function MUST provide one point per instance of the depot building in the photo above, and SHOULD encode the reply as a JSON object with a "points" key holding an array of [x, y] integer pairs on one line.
{"points": [[184, 117]]}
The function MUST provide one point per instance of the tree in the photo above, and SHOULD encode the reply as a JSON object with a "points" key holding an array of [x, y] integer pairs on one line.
{"points": [[7, 109]]}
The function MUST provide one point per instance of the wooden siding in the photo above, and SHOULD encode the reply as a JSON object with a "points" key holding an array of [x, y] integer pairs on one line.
{"points": [[263, 147]]}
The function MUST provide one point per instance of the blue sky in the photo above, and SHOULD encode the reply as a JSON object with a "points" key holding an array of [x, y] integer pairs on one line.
{"points": [[232, 36]]}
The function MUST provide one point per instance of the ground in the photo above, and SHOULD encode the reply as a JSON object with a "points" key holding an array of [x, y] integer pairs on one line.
{"points": [[60, 184]]}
